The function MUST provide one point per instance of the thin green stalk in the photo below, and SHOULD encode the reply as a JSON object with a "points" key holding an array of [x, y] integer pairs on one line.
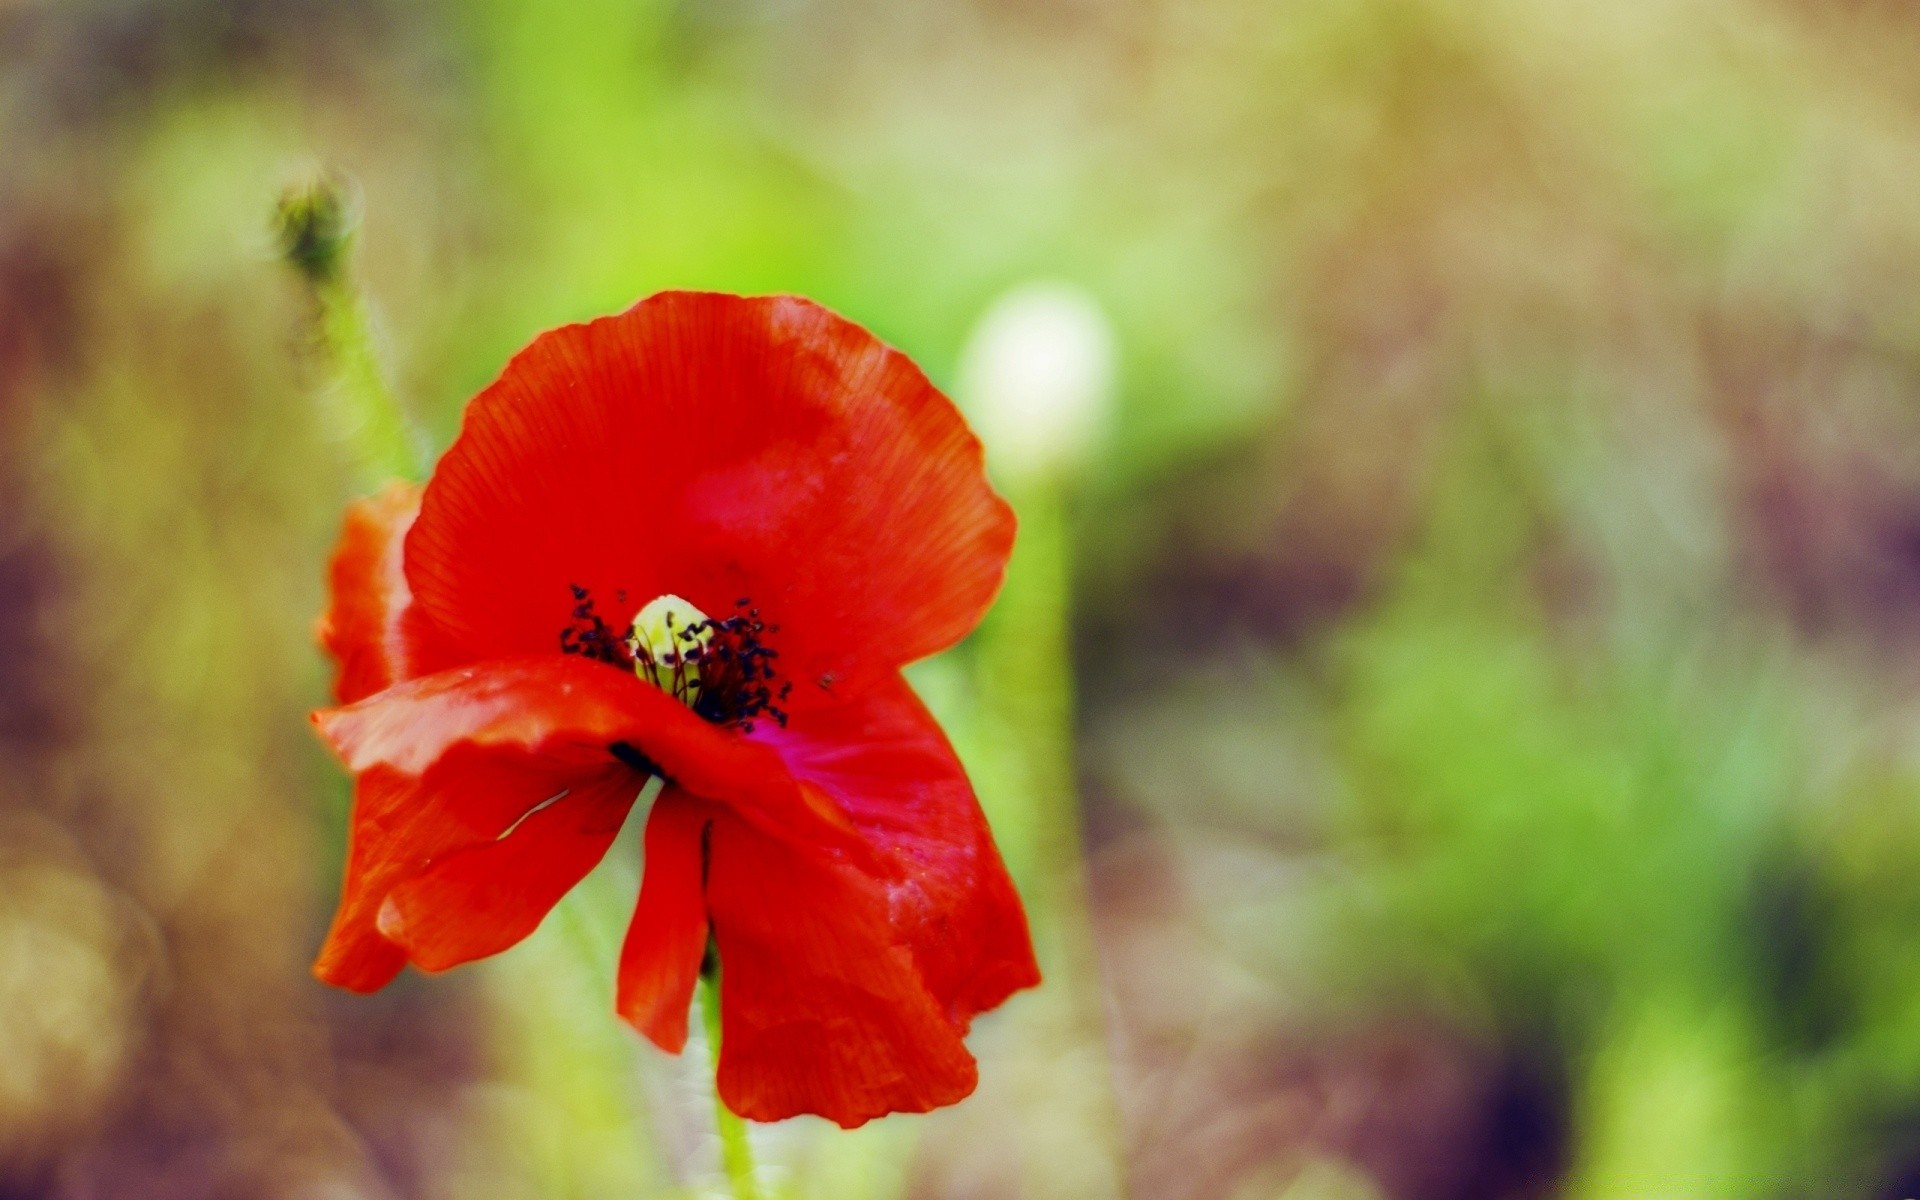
{"points": [[736, 1152], [1026, 673], [368, 409]]}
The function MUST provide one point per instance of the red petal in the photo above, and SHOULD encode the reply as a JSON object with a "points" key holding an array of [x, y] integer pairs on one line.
{"points": [[887, 765], [715, 447], [371, 627], [402, 824], [822, 1011], [565, 712], [660, 962], [482, 900], [355, 956]]}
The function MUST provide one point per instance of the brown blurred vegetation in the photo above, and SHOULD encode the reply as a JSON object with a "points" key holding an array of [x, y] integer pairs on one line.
{"points": [[1496, 609]]}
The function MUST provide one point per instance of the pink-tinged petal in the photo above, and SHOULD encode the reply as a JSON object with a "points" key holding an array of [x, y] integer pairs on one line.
{"points": [[660, 962], [887, 765], [822, 1009], [479, 901], [715, 447]]}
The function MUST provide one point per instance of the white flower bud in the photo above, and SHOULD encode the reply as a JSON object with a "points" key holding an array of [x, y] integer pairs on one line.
{"points": [[1037, 377]]}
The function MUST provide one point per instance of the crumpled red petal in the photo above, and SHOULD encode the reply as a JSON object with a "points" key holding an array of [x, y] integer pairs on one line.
{"points": [[822, 1009], [484, 899], [375, 633], [887, 765], [715, 447], [660, 961], [403, 823]]}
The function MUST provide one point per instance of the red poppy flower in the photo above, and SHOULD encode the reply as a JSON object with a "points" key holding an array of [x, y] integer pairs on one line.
{"points": [[697, 540]]}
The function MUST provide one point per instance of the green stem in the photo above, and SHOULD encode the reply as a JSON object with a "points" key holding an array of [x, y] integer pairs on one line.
{"points": [[736, 1152], [382, 436], [1025, 667]]}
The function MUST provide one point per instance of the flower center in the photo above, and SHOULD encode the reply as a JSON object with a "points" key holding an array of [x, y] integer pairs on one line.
{"points": [[721, 669]]}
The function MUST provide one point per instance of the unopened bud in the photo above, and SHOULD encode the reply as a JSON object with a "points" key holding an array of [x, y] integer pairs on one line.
{"points": [[1037, 377], [313, 223]]}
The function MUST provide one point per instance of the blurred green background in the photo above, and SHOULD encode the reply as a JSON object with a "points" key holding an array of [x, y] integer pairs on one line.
{"points": [[1481, 635]]}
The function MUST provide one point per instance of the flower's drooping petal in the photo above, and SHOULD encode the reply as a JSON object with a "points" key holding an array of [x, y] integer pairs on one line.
{"points": [[403, 823], [354, 955], [660, 962], [822, 1009], [845, 991], [566, 712], [887, 765], [484, 899], [371, 627], [717, 448]]}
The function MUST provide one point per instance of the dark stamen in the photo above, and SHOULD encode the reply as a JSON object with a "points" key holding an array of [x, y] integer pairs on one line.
{"points": [[590, 636], [724, 673]]}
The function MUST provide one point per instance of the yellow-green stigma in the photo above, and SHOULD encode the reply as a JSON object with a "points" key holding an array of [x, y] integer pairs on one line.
{"points": [[668, 640]]}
